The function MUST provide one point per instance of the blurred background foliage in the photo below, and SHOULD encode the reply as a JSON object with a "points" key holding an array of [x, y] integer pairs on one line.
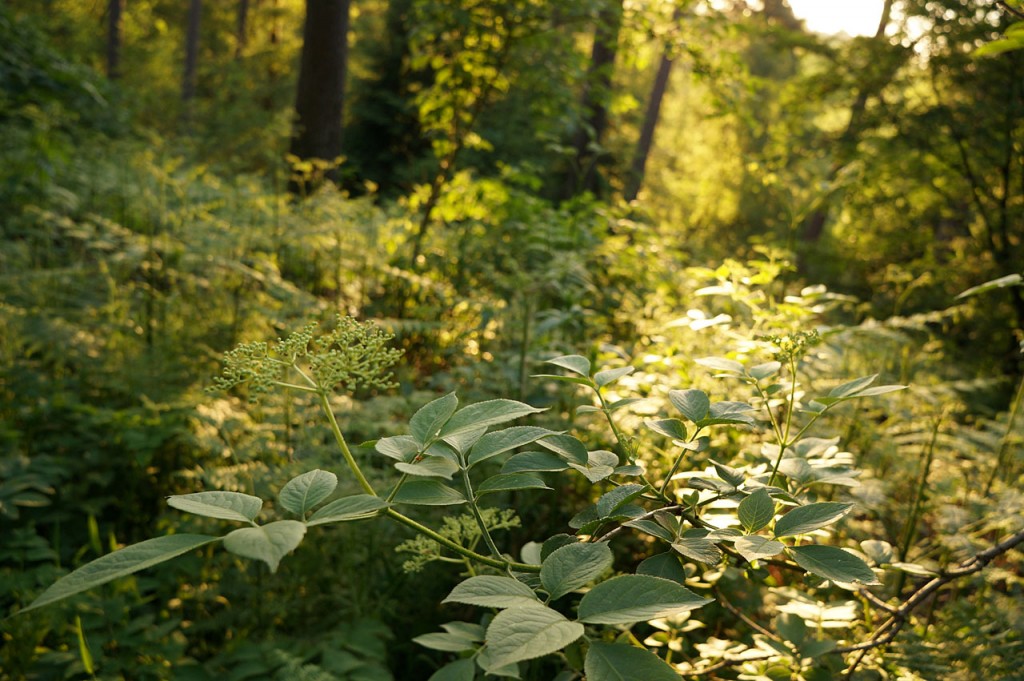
{"points": [[797, 181]]}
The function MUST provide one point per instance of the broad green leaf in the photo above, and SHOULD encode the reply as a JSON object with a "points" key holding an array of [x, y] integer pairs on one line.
{"points": [[833, 563], [492, 591], [814, 647], [600, 465], [574, 363], [728, 474], [699, 549], [665, 565], [427, 422], [349, 508], [534, 462], [399, 447], [721, 364], [223, 505], [120, 563], [603, 378], [510, 481], [636, 598], [804, 519], [429, 467], [468, 631], [763, 371], [879, 390], [652, 528], [444, 641], [567, 447], [622, 662], [486, 414], [624, 402], [757, 510], [302, 493], [852, 387], [616, 498], [269, 543], [791, 627], [693, 404], [728, 413], [573, 566], [525, 633], [428, 493], [670, 428], [459, 670], [756, 547], [880, 552], [501, 441]]}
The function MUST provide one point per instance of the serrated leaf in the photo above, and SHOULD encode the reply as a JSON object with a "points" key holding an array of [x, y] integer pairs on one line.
{"points": [[636, 598], [507, 439], [464, 440], [613, 500], [429, 467], [573, 566], [486, 414], [427, 422], [567, 447], [504, 482], [603, 378], [804, 519], [398, 447], [534, 462], [120, 563], [303, 492], [652, 528], [833, 563], [763, 371], [269, 543], [525, 633], [756, 547], [621, 662], [721, 364], [492, 591], [574, 363], [693, 404], [665, 565], [699, 549], [459, 670], [223, 505], [670, 428], [444, 641], [354, 507], [428, 493], [757, 510]]}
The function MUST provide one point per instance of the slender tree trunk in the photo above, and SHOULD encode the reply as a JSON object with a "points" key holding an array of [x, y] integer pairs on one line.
{"points": [[188, 81], [643, 145], [241, 28], [115, 10], [583, 175], [320, 98]]}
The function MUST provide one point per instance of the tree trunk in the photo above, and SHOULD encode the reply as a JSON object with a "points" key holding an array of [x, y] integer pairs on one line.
{"points": [[241, 28], [115, 10], [320, 98], [583, 175], [188, 81], [643, 145]]}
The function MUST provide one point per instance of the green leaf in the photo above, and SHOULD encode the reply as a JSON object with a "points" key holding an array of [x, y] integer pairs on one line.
{"points": [[486, 414], [756, 547], [670, 428], [427, 422], [223, 505], [525, 633], [349, 508], [600, 465], [492, 591], [1010, 279], [880, 552], [428, 493], [791, 628], [501, 441], [444, 641], [616, 498], [721, 364], [833, 563], [534, 462], [565, 379], [429, 467], [636, 598], [120, 563], [852, 387], [814, 647], [510, 481], [804, 519], [269, 543], [568, 447], [464, 440], [652, 528], [459, 670], [620, 662], [699, 549], [574, 363], [665, 565], [757, 510], [728, 474], [398, 447], [693, 404], [879, 390], [303, 492], [763, 371], [728, 413], [603, 378], [573, 566]]}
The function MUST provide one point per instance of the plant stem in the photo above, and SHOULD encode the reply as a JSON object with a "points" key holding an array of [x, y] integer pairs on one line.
{"points": [[491, 546], [624, 455], [325, 405], [915, 511], [1004, 445]]}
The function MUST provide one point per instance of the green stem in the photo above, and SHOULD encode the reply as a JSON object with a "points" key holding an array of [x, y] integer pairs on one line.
{"points": [[398, 486], [620, 441], [910, 530], [491, 546], [1004, 445], [458, 548], [325, 405]]}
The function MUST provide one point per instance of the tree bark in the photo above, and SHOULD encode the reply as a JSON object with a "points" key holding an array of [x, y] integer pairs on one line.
{"points": [[188, 81], [115, 10], [320, 98], [643, 146], [241, 28]]}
